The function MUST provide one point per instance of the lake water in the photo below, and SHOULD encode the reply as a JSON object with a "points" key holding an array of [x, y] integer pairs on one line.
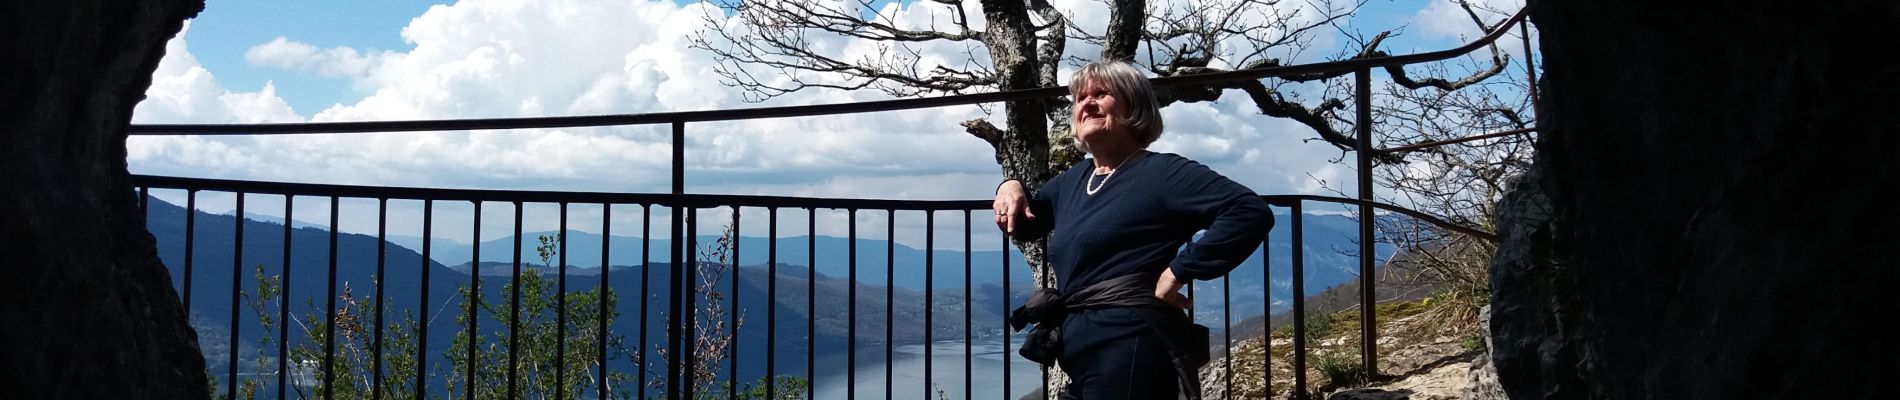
{"points": [[947, 370]]}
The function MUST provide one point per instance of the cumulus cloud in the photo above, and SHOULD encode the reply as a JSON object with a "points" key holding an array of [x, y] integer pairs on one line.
{"points": [[485, 59], [183, 91], [298, 56], [283, 53]]}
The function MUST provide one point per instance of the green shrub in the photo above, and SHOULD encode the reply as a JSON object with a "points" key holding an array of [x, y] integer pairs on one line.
{"points": [[1340, 368]]}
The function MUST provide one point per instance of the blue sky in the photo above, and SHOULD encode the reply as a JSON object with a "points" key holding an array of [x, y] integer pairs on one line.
{"points": [[227, 28], [354, 60]]}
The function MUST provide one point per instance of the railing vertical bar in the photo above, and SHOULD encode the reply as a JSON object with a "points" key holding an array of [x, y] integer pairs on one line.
{"points": [[811, 302], [422, 323], [1227, 333], [930, 252], [382, 248], [1299, 300], [145, 195], [514, 308], [732, 316], [890, 296], [474, 301], [329, 325], [191, 227], [560, 312], [237, 284], [1368, 318], [646, 276], [1530, 66], [674, 330], [1006, 307], [1047, 392], [600, 317], [688, 358], [968, 359], [1266, 313], [851, 313], [1191, 300], [283, 305], [771, 312]]}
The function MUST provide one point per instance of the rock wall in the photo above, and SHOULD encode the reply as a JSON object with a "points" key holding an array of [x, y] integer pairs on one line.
{"points": [[1481, 380], [1701, 220], [86, 309]]}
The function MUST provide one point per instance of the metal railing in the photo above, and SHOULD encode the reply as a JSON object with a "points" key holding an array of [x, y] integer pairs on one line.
{"points": [[681, 294]]}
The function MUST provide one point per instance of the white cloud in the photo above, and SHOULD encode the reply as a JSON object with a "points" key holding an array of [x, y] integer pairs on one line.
{"points": [[502, 58], [1445, 19], [282, 53], [299, 56], [183, 91]]}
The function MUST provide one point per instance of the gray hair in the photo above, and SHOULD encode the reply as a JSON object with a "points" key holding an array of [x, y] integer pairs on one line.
{"points": [[1129, 86]]}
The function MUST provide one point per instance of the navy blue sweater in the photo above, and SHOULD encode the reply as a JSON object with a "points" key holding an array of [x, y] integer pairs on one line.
{"points": [[1141, 217]]}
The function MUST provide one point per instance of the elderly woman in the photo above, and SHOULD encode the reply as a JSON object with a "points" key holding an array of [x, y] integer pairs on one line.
{"points": [[1116, 224]]}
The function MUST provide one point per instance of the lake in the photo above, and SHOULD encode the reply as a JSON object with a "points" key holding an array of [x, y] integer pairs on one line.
{"points": [[946, 361]]}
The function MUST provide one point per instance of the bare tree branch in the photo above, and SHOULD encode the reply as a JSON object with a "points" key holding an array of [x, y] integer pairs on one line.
{"points": [[1124, 31], [1498, 61], [1272, 103], [983, 129], [772, 36], [772, 48]]}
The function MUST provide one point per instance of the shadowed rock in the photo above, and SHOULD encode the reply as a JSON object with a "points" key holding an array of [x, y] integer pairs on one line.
{"points": [[1701, 220], [86, 309]]}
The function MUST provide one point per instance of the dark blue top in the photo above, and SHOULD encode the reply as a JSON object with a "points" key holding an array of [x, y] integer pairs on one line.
{"points": [[1137, 222], [1140, 218]]}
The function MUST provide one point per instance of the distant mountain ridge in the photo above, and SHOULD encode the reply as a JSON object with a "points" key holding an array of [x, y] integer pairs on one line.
{"points": [[1329, 240], [213, 275]]}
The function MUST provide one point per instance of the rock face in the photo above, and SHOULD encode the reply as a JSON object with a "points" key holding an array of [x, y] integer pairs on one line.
{"points": [[86, 309], [1481, 379], [1701, 221]]}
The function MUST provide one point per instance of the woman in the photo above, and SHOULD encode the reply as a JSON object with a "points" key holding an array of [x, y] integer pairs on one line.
{"points": [[1120, 219]]}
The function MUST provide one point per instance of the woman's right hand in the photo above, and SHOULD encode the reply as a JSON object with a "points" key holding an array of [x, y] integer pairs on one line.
{"points": [[1011, 201]]}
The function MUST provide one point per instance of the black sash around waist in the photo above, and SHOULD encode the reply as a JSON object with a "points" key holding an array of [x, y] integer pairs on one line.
{"points": [[1047, 308]]}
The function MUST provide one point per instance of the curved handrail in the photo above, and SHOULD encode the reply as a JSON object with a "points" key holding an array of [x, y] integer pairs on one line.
{"points": [[797, 111], [529, 196], [664, 199], [1287, 200]]}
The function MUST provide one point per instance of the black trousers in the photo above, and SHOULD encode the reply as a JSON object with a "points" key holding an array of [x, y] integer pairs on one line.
{"points": [[1130, 367]]}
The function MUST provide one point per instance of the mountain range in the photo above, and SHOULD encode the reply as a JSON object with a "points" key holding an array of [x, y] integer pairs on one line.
{"points": [[213, 275]]}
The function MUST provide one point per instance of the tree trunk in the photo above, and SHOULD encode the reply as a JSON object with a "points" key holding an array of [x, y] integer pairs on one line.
{"points": [[1124, 30], [1023, 150], [86, 308]]}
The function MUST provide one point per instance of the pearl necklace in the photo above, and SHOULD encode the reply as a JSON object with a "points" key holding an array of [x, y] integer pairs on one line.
{"points": [[1091, 187]]}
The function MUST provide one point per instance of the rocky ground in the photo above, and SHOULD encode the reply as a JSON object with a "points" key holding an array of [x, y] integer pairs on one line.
{"points": [[1425, 353]]}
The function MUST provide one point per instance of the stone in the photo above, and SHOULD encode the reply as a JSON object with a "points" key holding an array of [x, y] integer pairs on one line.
{"points": [[1442, 382], [86, 309], [1701, 220]]}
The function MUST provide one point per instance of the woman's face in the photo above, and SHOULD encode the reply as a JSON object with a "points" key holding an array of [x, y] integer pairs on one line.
{"points": [[1098, 115]]}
